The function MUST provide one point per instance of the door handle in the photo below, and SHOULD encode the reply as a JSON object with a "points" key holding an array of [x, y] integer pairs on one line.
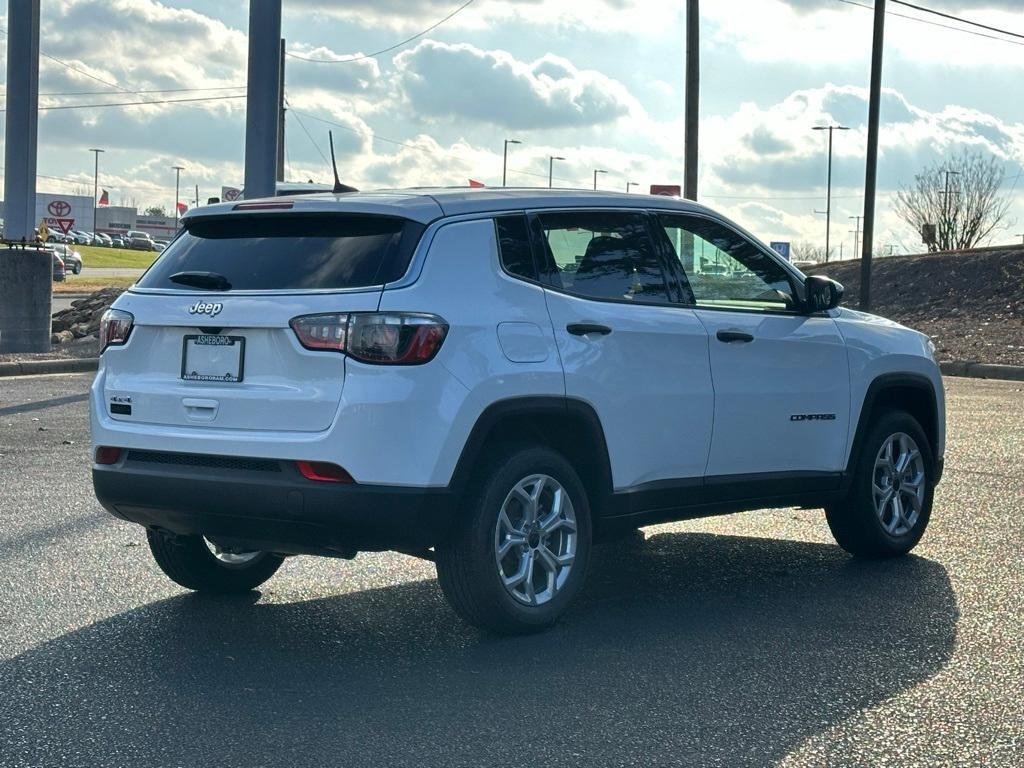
{"points": [[582, 329], [730, 336]]}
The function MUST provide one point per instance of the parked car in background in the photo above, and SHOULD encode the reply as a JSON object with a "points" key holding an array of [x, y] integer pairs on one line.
{"points": [[77, 237], [58, 268], [102, 238], [118, 241], [72, 259], [140, 241], [56, 236]]}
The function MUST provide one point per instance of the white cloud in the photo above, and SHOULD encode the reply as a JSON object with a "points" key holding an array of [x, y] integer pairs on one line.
{"points": [[464, 82]]}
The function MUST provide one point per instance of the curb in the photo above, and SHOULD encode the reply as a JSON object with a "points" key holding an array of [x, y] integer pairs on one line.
{"points": [[956, 368], [982, 370], [32, 367]]}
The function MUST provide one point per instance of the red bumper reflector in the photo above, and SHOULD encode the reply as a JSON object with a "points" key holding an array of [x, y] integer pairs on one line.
{"points": [[105, 454], [324, 472]]}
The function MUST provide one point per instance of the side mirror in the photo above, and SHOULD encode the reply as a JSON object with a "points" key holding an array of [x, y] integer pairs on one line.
{"points": [[821, 293]]}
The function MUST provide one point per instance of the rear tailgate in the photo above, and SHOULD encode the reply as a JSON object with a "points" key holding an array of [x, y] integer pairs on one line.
{"points": [[282, 387], [228, 359]]}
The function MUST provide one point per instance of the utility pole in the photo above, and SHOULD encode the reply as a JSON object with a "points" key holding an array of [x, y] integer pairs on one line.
{"points": [[828, 194], [280, 117], [630, 184], [597, 171], [262, 102], [856, 234], [197, 196], [946, 223], [871, 169], [177, 178], [95, 191], [504, 160], [692, 116], [551, 168]]}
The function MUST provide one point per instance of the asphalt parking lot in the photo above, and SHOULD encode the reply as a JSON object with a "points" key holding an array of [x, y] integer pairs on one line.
{"points": [[746, 640]]}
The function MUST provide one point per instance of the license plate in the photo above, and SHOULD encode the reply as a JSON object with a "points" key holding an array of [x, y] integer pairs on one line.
{"points": [[211, 357]]}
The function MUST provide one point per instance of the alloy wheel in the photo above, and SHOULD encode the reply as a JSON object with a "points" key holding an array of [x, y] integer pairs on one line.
{"points": [[898, 484], [535, 539]]}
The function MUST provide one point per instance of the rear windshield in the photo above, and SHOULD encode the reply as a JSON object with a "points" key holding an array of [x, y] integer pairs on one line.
{"points": [[289, 251]]}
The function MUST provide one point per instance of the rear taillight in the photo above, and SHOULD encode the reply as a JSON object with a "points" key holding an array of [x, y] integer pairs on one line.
{"points": [[385, 338], [115, 327], [106, 454]]}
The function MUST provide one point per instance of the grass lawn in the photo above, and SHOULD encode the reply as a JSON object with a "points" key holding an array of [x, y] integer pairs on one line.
{"points": [[98, 256], [75, 284]]}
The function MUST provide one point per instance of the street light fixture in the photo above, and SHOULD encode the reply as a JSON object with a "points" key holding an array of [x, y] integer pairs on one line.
{"points": [[177, 178], [828, 199], [504, 159], [630, 184], [551, 168], [597, 171], [95, 190]]}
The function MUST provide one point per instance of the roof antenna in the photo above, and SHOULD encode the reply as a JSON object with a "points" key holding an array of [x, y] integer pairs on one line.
{"points": [[338, 186]]}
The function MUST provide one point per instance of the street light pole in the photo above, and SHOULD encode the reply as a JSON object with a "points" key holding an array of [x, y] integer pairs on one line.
{"points": [[95, 190], [828, 198], [597, 171], [630, 184], [551, 168], [504, 159], [177, 178]]}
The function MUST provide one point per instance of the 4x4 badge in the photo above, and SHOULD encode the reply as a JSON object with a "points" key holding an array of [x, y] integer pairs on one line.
{"points": [[202, 308]]}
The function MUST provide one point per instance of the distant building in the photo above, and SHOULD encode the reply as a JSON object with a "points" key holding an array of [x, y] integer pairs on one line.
{"points": [[115, 219], [157, 227]]}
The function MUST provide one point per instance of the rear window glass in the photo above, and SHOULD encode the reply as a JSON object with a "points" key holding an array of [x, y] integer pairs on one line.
{"points": [[289, 251]]}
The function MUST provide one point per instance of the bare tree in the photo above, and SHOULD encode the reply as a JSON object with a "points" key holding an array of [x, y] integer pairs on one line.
{"points": [[807, 251], [960, 197], [156, 210]]}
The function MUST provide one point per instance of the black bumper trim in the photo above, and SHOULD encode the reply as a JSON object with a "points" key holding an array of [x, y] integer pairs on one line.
{"points": [[279, 511]]}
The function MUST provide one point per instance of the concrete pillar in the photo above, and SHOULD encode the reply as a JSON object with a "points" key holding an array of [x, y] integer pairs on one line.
{"points": [[25, 276], [263, 97], [25, 279]]}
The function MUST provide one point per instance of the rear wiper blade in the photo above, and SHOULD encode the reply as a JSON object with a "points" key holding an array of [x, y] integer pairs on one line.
{"points": [[211, 280]]}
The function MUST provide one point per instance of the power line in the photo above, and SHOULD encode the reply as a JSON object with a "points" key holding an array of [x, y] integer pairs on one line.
{"points": [[305, 130], [390, 48], [138, 103], [957, 18], [934, 23], [146, 90]]}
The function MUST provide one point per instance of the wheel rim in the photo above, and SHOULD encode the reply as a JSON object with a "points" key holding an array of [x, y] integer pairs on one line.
{"points": [[535, 539], [898, 484], [230, 558]]}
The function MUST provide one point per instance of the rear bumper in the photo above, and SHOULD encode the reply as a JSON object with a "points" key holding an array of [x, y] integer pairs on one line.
{"points": [[268, 505]]}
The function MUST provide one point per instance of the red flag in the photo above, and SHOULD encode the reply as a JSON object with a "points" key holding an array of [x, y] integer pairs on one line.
{"points": [[475, 183], [182, 207], [104, 198]]}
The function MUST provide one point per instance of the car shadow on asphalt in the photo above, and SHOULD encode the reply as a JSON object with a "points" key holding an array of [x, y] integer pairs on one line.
{"points": [[684, 649]]}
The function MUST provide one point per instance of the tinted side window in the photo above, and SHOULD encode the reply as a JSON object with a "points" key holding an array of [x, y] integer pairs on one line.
{"points": [[514, 246], [725, 269], [602, 255]]}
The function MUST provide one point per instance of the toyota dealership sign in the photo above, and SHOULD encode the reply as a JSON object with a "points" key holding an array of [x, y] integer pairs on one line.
{"points": [[63, 213]]}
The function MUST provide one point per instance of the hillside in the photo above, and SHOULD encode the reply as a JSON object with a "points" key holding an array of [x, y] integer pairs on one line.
{"points": [[971, 302]]}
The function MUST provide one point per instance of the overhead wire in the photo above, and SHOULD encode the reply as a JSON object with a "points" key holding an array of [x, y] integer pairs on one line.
{"points": [[382, 51]]}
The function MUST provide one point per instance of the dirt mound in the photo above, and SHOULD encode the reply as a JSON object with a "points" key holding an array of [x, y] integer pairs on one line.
{"points": [[970, 302]]}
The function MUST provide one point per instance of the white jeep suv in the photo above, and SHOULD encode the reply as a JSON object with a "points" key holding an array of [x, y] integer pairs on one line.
{"points": [[493, 379]]}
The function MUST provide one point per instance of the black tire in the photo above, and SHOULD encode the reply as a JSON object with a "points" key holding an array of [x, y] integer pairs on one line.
{"points": [[855, 524], [466, 564], [188, 561]]}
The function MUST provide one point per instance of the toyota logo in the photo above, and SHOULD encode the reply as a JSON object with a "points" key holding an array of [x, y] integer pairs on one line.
{"points": [[59, 208]]}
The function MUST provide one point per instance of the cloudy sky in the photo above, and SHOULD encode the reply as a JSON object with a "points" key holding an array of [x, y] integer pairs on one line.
{"points": [[599, 82]]}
